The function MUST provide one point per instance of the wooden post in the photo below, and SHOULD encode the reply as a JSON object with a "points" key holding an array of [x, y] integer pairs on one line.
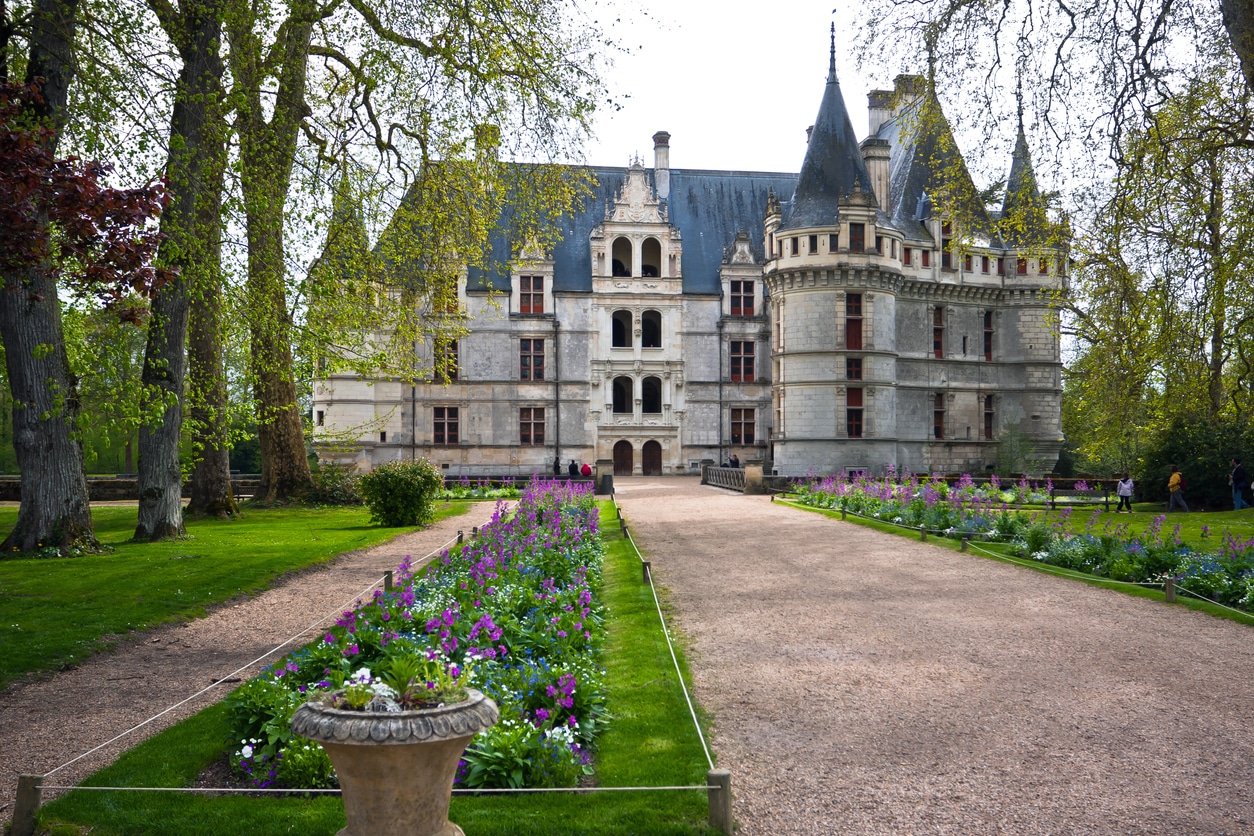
{"points": [[965, 543], [719, 781], [646, 570], [474, 531], [842, 512], [1169, 591], [28, 800], [461, 535], [387, 581], [923, 533]]}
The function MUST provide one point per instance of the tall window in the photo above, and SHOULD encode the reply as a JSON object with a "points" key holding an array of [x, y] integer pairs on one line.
{"points": [[620, 329], [966, 263], [988, 335], [623, 392], [531, 294], [988, 416], [1042, 266], [444, 360], [814, 244], [983, 264], [833, 243], [908, 256], [651, 329], [445, 424], [938, 416], [947, 253], [1022, 267], [938, 331], [857, 238], [853, 321], [793, 245], [853, 368], [742, 426], [741, 362], [742, 298], [531, 360], [531, 426], [853, 412], [927, 258], [651, 395], [879, 244], [1001, 266]]}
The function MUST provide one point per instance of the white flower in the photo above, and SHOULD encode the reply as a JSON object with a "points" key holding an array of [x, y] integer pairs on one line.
{"points": [[246, 752], [362, 676]]}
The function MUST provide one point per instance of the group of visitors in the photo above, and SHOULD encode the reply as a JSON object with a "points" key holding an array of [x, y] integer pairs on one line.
{"points": [[572, 469], [1177, 484]]}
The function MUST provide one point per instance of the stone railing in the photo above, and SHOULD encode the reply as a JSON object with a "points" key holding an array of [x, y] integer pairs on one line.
{"points": [[732, 478]]}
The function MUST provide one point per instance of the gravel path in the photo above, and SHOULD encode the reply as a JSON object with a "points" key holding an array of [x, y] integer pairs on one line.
{"points": [[862, 683], [112, 692]]}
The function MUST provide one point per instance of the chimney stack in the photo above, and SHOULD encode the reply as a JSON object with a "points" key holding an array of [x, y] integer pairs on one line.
{"points": [[662, 164], [879, 106]]}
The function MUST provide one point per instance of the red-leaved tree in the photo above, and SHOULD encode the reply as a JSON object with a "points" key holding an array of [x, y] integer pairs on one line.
{"points": [[62, 227]]}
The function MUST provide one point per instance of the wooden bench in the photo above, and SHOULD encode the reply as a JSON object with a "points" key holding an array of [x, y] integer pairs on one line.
{"points": [[1098, 494]]}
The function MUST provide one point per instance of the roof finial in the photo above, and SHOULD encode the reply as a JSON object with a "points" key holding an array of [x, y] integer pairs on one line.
{"points": [[831, 67], [1019, 99]]}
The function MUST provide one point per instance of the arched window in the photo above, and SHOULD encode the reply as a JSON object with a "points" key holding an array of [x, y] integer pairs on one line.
{"points": [[621, 253], [651, 258], [651, 329], [620, 332], [622, 394], [651, 395]]}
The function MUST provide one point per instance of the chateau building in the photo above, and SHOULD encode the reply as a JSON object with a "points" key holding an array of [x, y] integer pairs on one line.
{"points": [[867, 312]]}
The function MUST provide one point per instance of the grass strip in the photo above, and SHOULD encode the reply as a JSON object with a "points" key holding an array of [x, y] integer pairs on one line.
{"points": [[650, 742], [1002, 552], [59, 611]]}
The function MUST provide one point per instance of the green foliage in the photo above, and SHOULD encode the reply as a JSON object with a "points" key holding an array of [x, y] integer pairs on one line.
{"points": [[306, 764], [1014, 452], [402, 493], [1202, 448], [335, 484]]}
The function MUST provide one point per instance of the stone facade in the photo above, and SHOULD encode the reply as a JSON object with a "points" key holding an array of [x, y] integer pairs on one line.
{"points": [[689, 315]]}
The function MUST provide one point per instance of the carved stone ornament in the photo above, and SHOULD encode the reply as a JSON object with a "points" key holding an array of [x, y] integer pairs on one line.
{"points": [[622, 285], [320, 722], [636, 201]]}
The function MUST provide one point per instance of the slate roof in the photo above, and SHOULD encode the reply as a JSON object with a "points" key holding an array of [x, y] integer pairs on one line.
{"points": [[923, 152], [833, 166], [1023, 203], [708, 208]]}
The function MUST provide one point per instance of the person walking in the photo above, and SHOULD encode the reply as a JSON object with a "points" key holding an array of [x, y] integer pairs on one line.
{"points": [[1123, 490], [557, 465], [1238, 480], [1175, 491]]}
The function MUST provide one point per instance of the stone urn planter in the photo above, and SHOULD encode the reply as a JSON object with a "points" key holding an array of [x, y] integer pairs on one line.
{"points": [[396, 768]]}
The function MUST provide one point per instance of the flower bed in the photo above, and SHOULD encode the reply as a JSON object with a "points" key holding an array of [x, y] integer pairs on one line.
{"points": [[514, 613], [963, 509], [1225, 576], [994, 512], [467, 488]]}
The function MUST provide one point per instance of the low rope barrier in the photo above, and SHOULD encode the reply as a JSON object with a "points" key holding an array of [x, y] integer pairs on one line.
{"points": [[669, 645], [383, 579], [284, 791]]}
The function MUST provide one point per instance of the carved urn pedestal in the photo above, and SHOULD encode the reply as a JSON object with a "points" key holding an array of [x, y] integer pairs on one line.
{"points": [[396, 769]]}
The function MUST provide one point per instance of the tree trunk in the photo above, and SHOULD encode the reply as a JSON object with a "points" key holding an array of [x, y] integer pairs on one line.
{"points": [[209, 412], [55, 509], [267, 154], [1239, 21]]}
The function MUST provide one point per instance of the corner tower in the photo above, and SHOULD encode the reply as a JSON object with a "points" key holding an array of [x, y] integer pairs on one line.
{"points": [[832, 274]]}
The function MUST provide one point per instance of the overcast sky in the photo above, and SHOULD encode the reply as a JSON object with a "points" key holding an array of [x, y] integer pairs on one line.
{"points": [[735, 83]]}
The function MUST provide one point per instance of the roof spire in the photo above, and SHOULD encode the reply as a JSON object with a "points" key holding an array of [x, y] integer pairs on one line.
{"points": [[831, 66], [1019, 100]]}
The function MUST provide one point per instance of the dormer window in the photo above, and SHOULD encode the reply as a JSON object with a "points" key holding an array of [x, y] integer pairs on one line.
{"points": [[531, 294], [857, 238], [742, 298]]}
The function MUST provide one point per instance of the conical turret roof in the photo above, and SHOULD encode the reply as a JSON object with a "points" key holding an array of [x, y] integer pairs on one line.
{"points": [[1023, 209], [833, 168]]}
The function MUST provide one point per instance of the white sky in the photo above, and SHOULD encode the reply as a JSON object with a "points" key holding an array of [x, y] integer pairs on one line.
{"points": [[736, 83]]}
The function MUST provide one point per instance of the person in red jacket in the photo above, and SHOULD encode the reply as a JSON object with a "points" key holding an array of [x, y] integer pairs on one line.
{"points": [[586, 470]]}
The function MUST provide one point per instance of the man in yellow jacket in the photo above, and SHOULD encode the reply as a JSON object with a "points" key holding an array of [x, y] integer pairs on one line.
{"points": [[1175, 492]]}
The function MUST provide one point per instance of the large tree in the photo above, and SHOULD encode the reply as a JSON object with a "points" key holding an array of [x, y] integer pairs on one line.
{"points": [[191, 226], [427, 90]]}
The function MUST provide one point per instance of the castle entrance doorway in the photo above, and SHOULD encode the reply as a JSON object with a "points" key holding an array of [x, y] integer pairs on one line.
{"points": [[624, 458], [651, 458]]}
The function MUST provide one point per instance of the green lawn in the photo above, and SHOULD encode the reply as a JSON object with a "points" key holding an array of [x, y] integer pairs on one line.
{"points": [[56, 612], [1200, 529], [651, 741]]}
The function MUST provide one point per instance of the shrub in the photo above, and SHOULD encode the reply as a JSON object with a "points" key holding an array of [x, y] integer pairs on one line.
{"points": [[402, 493], [335, 484]]}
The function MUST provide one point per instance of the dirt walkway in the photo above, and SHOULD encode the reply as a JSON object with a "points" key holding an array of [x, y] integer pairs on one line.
{"points": [[112, 692], [864, 684]]}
